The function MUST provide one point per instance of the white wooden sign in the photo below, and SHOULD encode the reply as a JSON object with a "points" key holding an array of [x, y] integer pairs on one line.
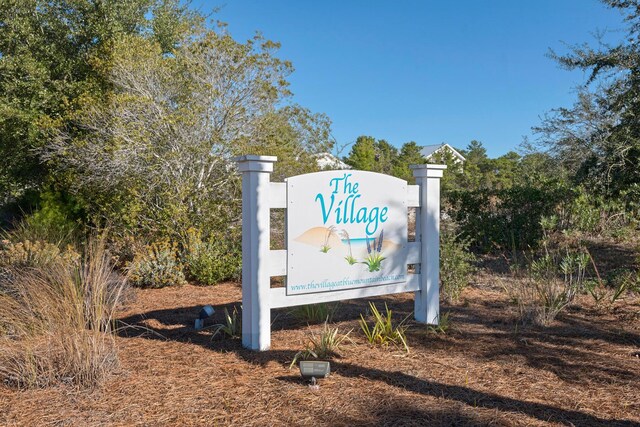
{"points": [[346, 238], [345, 230]]}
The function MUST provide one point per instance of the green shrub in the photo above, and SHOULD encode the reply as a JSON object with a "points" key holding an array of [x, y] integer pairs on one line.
{"points": [[53, 221], [456, 265], [504, 219], [383, 331], [552, 282], [214, 260], [586, 213], [156, 266]]}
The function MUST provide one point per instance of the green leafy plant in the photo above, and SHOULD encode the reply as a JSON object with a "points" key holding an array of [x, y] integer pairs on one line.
{"points": [[212, 261], [156, 266], [606, 293], [52, 221], [443, 326], [552, 282], [374, 258], [324, 346], [232, 326], [383, 332], [456, 265], [321, 312]]}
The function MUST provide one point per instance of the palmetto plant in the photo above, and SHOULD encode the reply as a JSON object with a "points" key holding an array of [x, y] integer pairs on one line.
{"points": [[374, 258]]}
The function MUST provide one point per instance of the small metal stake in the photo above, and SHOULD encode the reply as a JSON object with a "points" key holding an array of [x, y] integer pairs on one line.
{"points": [[314, 384]]}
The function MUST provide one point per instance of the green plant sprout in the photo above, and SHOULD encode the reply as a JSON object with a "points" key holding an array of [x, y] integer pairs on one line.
{"points": [[325, 346], [375, 258], [232, 327], [350, 259], [443, 326], [383, 332], [325, 248]]}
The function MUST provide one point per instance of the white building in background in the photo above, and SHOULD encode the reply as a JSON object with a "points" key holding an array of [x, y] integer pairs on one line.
{"points": [[429, 151], [327, 161]]}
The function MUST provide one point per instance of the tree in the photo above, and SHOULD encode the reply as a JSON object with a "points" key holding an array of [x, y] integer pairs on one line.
{"points": [[386, 155], [157, 156], [476, 166], [409, 155], [53, 53], [363, 154], [598, 139]]}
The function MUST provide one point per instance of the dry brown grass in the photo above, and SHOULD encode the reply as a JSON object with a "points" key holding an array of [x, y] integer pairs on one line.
{"points": [[56, 320]]}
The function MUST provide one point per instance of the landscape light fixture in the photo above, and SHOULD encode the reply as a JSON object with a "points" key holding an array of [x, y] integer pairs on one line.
{"points": [[207, 311], [313, 370]]}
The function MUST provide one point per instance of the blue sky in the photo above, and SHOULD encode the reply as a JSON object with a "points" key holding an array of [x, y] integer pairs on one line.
{"points": [[427, 71]]}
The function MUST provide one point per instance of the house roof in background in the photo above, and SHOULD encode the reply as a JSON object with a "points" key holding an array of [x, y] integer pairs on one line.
{"points": [[329, 161], [429, 150]]}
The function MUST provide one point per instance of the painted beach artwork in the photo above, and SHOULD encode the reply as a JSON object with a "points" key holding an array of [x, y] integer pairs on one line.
{"points": [[352, 228], [338, 244]]}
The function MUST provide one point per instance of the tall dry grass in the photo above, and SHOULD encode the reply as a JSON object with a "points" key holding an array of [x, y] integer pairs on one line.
{"points": [[56, 319]]}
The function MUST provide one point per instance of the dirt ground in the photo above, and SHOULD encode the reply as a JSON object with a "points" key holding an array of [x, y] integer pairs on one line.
{"points": [[582, 370]]}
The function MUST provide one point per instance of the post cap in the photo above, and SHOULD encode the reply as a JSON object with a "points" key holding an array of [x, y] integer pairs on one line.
{"points": [[427, 170], [255, 158], [253, 163]]}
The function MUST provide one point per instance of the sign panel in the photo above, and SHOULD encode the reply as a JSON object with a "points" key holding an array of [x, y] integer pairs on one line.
{"points": [[345, 230]]}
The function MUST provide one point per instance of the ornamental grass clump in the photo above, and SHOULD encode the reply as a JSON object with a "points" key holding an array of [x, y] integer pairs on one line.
{"points": [[321, 312], [383, 332], [324, 346], [551, 284], [56, 320]]}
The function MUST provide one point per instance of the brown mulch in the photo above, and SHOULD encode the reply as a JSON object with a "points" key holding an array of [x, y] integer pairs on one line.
{"points": [[582, 370]]}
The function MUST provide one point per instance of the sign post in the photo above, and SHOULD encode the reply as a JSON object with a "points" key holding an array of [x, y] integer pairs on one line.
{"points": [[346, 238], [427, 299], [256, 229]]}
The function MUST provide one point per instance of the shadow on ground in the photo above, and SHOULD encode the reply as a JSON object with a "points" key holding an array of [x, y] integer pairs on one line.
{"points": [[564, 349]]}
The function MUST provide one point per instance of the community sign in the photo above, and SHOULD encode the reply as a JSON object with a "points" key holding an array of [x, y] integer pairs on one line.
{"points": [[345, 230]]}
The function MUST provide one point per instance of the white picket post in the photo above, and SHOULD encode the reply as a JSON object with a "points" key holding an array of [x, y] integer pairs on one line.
{"points": [[427, 300], [256, 308]]}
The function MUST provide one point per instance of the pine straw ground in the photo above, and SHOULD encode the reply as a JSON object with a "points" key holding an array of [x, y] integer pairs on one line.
{"points": [[582, 370]]}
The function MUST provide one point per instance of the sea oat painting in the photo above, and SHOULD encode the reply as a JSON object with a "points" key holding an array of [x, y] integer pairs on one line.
{"points": [[345, 230]]}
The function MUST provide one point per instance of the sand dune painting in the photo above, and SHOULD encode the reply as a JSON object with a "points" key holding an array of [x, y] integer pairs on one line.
{"points": [[338, 241]]}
